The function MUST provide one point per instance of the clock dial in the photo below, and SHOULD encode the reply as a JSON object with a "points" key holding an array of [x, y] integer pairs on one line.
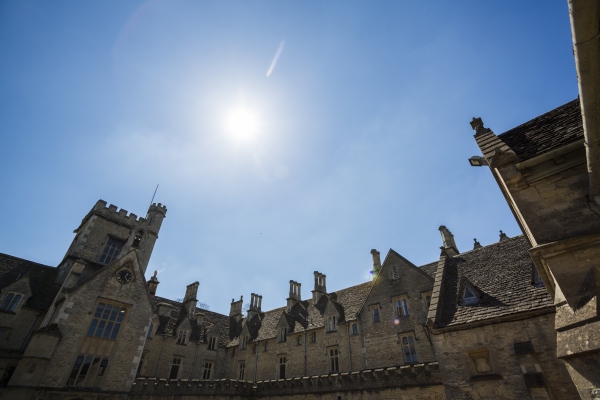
{"points": [[124, 276]]}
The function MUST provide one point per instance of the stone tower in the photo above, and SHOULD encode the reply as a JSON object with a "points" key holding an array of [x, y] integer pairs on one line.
{"points": [[106, 232]]}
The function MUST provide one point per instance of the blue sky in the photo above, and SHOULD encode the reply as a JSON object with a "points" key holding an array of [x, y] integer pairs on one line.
{"points": [[362, 134]]}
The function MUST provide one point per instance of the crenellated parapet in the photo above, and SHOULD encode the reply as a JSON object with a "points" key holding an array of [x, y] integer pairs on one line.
{"points": [[121, 216], [397, 377]]}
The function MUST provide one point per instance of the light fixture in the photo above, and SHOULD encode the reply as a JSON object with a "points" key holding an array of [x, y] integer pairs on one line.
{"points": [[478, 161]]}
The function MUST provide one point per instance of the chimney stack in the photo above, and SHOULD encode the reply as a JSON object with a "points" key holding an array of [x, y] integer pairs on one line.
{"points": [[503, 236], [236, 309], [190, 300], [376, 263], [255, 304], [448, 240], [476, 245], [294, 296], [153, 284], [320, 287]]}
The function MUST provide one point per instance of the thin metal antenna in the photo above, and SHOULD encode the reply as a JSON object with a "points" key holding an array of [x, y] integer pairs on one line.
{"points": [[151, 200]]}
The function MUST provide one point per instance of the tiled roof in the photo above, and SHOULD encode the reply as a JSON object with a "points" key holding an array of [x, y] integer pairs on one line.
{"points": [[549, 131], [430, 268], [168, 325], [502, 273], [41, 277], [306, 315]]}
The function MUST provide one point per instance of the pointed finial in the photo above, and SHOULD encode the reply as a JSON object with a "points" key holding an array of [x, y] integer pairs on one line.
{"points": [[476, 245], [503, 235], [477, 125]]}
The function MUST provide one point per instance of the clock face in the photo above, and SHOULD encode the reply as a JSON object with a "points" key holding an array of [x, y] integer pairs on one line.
{"points": [[124, 276]]}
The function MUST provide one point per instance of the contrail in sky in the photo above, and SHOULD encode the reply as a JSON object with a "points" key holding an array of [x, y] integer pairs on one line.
{"points": [[274, 62]]}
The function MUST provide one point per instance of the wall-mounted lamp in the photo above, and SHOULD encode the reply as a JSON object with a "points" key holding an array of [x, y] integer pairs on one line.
{"points": [[478, 161]]}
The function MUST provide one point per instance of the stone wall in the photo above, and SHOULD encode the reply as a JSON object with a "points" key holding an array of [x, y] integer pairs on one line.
{"points": [[520, 362]]}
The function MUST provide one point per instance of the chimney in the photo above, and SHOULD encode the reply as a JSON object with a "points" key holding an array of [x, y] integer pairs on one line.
{"points": [[320, 287], [236, 309], [448, 240], [153, 284], [190, 300], [294, 296], [199, 317], [255, 303], [476, 245], [376, 263], [503, 236], [164, 309]]}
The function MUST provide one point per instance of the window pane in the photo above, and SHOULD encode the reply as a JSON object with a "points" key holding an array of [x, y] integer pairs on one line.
{"points": [[115, 331], [92, 327], [75, 370], [14, 303], [99, 310], [113, 314], [7, 301], [121, 315], [100, 329]]}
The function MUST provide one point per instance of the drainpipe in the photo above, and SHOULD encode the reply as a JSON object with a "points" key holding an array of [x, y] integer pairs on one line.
{"points": [[194, 363], [305, 337], [349, 346], [159, 355], [256, 361]]}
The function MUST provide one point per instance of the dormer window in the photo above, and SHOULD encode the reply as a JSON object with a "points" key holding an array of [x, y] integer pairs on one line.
{"points": [[331, 324], [282, 334], [181, 339], [138, 238], [469, 297], [212, 343], [10, 302]]}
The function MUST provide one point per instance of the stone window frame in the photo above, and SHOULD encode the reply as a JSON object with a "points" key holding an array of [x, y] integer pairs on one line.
{"points": [[400, 304], [143, 362], [299, 340], [266, 346], [355, 329], [241, 369], [244, 343], [207, 370], [375, 311], [150, 330], [313, 337], [137, 240], [426, 302], [404, 339], [176, 366], [103, 322], [282, 360], [282, 334], [212, 343], [331, 323], [182, 337], [394, 272], [333, 359], [88, 370], [10, 302], [112, 248]]}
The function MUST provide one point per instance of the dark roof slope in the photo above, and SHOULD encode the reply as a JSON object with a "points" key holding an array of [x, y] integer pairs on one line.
{"points": [[168, 325], [41, 277], [549, 131], [430, 269], [306, 315], [502, 273]]}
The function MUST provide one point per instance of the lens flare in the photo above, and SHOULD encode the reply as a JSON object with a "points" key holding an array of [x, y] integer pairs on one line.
{"points": [[242, 123]]}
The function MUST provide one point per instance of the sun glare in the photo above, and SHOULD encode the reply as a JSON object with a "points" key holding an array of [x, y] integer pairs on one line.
{"points": [[242, 123]]}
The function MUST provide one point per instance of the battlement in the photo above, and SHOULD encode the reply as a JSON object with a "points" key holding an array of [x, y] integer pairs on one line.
{"points": [[121, 216], [403, 377], [158, 208]]}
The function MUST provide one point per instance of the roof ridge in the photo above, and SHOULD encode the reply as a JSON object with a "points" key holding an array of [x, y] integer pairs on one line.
{"points": [[29, 261]]}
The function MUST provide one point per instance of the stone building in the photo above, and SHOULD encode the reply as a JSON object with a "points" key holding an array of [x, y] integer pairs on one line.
{"points": [[469, 325]]}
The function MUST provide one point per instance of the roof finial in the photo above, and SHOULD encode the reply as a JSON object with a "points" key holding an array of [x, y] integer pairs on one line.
{"points": [[477, 125], [503, 235], [476, 245]]}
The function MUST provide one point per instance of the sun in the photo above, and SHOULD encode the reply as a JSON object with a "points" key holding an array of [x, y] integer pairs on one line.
{"points": [[242, 123]]}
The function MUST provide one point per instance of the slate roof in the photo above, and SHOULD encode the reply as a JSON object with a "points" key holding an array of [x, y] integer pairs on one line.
{"points": [[41, 278], [502, 273], [430, 268], [306, 315], [168, 325], [549, 131]]}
